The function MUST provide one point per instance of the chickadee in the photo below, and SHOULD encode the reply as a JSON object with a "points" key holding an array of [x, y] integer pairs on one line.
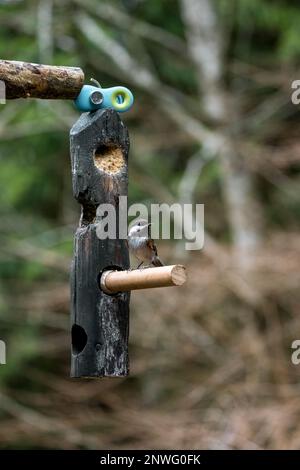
{"points": [[141, 244]]}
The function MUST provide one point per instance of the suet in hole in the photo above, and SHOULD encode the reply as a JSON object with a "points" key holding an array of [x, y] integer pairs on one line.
{"points": [[109, 158]]}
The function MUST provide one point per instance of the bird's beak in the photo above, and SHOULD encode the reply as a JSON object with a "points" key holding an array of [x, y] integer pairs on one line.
{"points": [[148, 225]]}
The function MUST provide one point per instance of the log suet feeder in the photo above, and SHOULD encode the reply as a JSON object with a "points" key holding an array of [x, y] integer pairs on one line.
{"points": [[101, 279], [99, 145]]}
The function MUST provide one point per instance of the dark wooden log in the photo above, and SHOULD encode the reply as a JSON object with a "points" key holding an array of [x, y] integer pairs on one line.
{"points": [[100, 322], [26, 80]]}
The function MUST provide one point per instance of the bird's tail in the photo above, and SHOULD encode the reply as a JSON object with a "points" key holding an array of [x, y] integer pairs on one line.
{"points": [[157, 262]]}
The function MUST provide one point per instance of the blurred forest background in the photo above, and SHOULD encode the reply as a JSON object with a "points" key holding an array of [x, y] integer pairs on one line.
{"points": [[212, 123]]}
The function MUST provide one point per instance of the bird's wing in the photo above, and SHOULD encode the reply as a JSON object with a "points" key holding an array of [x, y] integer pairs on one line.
{"points": [[152, 246]]}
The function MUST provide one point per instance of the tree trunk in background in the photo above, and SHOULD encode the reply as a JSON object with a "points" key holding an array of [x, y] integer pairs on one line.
{"points": [[204, 38], [44, 31]]}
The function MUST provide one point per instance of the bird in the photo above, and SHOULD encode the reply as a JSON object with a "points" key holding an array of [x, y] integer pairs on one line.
{"points": [[141, 244]]}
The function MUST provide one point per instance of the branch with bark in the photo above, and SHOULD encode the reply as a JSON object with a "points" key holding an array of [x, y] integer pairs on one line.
{"points": [[28, 80]]}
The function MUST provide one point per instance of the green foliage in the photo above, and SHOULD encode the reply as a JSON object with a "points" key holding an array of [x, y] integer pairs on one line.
{"points": [[272, 25], [23, 345]]}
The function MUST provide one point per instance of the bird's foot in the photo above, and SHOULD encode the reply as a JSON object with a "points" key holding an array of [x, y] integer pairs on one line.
{"points": [[147, 266]]}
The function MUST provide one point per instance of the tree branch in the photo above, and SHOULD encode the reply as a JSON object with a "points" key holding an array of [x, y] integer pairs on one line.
{"points": [[27, 80]]}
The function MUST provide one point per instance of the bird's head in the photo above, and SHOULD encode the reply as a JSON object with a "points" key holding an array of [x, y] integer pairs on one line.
{"points": [[140, 228]]}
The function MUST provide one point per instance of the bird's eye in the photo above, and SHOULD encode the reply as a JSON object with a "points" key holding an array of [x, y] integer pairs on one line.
{"points": [[139, 223]]}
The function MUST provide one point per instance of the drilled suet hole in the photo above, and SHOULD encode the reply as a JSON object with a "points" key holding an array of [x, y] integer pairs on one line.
{"points": [[79, 339], [109, 158], [88, 214]]}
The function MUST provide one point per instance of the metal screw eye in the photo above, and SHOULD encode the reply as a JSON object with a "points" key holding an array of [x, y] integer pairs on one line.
{"points": [[96, 97]]}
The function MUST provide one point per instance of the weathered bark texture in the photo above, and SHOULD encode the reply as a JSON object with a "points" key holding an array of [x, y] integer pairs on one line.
{"points": [[100, 322], [26, 80]]}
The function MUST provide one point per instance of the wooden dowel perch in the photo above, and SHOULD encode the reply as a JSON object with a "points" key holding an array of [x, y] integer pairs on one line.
{"points": [[26, 80], [122, 281]]}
